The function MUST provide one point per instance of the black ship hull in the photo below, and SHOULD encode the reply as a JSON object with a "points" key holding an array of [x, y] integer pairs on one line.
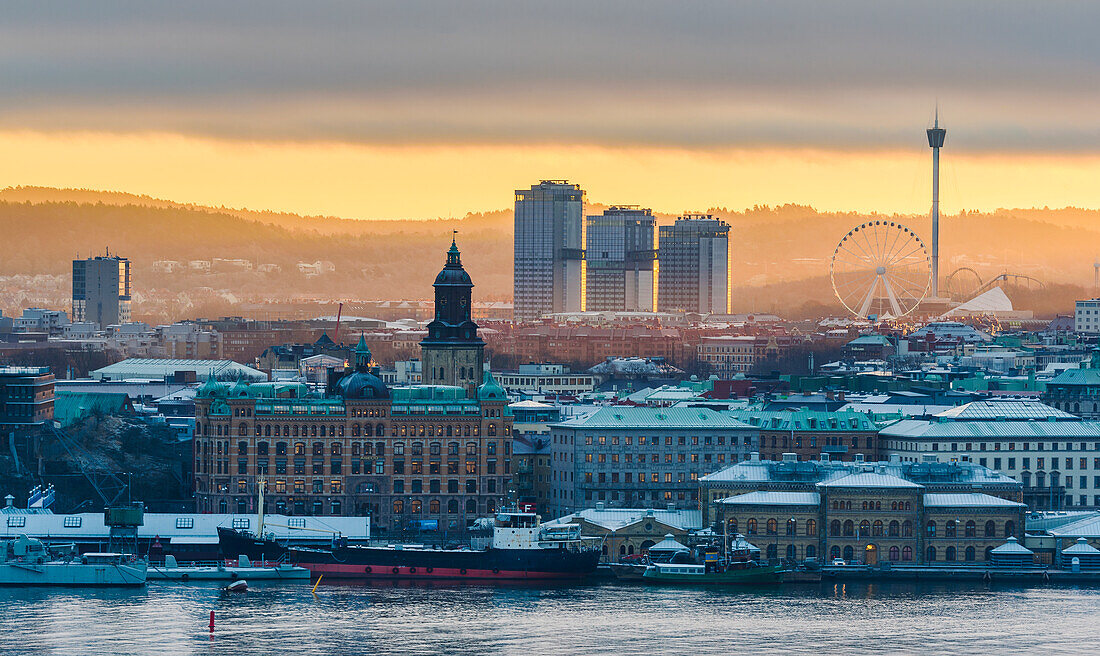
{"points": [[391, 563]]}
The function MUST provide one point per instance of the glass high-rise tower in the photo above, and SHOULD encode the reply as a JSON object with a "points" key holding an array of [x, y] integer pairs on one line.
{"points": [[693, 260], [101, 290], [619, 260], [549, 249]]}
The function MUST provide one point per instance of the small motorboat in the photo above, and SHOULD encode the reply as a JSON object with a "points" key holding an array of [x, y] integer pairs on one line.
{"points": [[240, 585]]}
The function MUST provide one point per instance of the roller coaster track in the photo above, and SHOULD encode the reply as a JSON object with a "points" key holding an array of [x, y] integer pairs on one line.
{"points": [[95, 470]]}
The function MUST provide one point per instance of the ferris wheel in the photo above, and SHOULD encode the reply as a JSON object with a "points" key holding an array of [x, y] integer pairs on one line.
{"points": [[880, 268]]}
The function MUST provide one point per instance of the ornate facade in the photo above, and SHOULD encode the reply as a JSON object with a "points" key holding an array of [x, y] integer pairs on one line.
{"points": [[428, 457], [452, 353]]}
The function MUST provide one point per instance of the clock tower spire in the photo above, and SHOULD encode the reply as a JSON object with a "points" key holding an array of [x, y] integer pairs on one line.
{"points": [[452, 353]]}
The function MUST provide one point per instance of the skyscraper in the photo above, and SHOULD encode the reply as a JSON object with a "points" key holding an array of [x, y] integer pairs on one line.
{"points": [[101, 290], [619, 260], [693, 261], [549, 249], [452, 353]]}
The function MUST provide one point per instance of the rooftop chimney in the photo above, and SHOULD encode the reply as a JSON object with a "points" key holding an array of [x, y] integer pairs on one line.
{"points": [[824, 457], [858, 458], [895, 459], [599, 505], [754, 456], [671, 507]]}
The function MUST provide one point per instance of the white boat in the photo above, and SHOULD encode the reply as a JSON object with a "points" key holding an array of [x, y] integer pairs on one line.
{"points": [[26, 562], [221, 571]]}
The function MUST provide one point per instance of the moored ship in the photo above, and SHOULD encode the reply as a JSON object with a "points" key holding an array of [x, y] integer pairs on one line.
{"points": [[520, 549], [27, 562]]}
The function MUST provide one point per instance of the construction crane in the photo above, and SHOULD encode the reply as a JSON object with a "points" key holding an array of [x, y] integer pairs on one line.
{"points": [[336, 333]]}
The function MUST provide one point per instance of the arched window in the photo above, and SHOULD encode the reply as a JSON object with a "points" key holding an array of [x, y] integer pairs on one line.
{"points": [[894, 530], [299, 448], [834, 552], [811, 551], [379, 430], [865, 528], [849, 553], [834, 527], [949, 528], [1010, 528], [836, 504], [971, 529], [750, 526], [991, 529], [849, 528], [731, 526], [630, 550], [471, 506], [876, 528], [242, 430], [988, 553], [791, 554], [772, 551], [907, 529], [865, 505], [811, 529], [433, 506], [930, 556], [622, 549], [242, 448], [949, 554], [416, 505], [336, 448], [906, 554], [930, 529], [895, 553], [452, 506], [398, 506], [223, 506], [773, 526], [792, 527], [969, 554]]}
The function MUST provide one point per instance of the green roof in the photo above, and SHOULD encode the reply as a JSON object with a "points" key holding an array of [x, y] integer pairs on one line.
{"points": [[71, 407], [632, 417], [806, 420], [1077, 377]]}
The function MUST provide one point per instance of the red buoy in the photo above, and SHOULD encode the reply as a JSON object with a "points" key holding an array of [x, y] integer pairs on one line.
{"points": [[211, 621]]}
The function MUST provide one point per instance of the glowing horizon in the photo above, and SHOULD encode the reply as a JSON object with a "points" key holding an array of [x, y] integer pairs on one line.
{"points": [[417, 182]]}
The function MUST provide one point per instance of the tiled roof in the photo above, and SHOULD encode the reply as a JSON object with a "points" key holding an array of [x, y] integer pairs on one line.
{"points": [[870, 479], [630, 417], [968, 500], [1005, 410], [805, 420], [918, 428], [614, 519], [773, 499]]}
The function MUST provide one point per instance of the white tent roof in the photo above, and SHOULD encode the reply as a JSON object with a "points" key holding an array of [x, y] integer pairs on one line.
{"points": [[993, 300]]}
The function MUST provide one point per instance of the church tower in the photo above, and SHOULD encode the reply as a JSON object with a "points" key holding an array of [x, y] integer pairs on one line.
{"points": [[452, 353]]}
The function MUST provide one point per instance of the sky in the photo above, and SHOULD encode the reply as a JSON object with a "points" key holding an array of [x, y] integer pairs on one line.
{"points": [[429, 108]]}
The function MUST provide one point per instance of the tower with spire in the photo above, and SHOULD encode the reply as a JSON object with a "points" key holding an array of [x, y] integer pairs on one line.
{"points": [[453, 353]]}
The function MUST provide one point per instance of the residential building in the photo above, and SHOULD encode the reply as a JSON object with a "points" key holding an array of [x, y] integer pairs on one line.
{"points": [[1077, 391], [1086, 316], [189, 341], [452, 353], [38, 320], [810, 433], [549, 249], [619, 258], [546, 378], [101, 290], [531, 452], [730, 355], [693, 259], [26, 396], [870, 347], [865, 512], [1055, 455], [637, 457]]}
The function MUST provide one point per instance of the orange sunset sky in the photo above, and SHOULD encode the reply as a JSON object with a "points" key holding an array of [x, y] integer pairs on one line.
{"points": [[425, 109]]}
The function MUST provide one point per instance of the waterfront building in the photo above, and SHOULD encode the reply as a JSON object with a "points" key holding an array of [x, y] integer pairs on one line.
{"points": [[630, 531], [864, 512], [1053, 454], [693, 259], [546, 378], [842, 435], [416, 458], [101, 290], [642, 457], [1086, 316], [531, 455], [26, 396], [1077, 391], [452, 353], [619, 258], [549, 249]]}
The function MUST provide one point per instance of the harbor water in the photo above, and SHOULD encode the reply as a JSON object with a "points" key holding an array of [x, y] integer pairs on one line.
{"points": [[171, 618]]}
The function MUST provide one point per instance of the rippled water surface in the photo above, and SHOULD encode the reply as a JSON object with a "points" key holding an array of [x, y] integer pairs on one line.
{"points": [[170, 618]]}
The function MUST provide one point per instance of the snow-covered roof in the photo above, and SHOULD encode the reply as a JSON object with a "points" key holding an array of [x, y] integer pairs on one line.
{"points": [[968, 500], [773, 499], [1081, 548], [870, 479], [1012, 546], [614, 519]]}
